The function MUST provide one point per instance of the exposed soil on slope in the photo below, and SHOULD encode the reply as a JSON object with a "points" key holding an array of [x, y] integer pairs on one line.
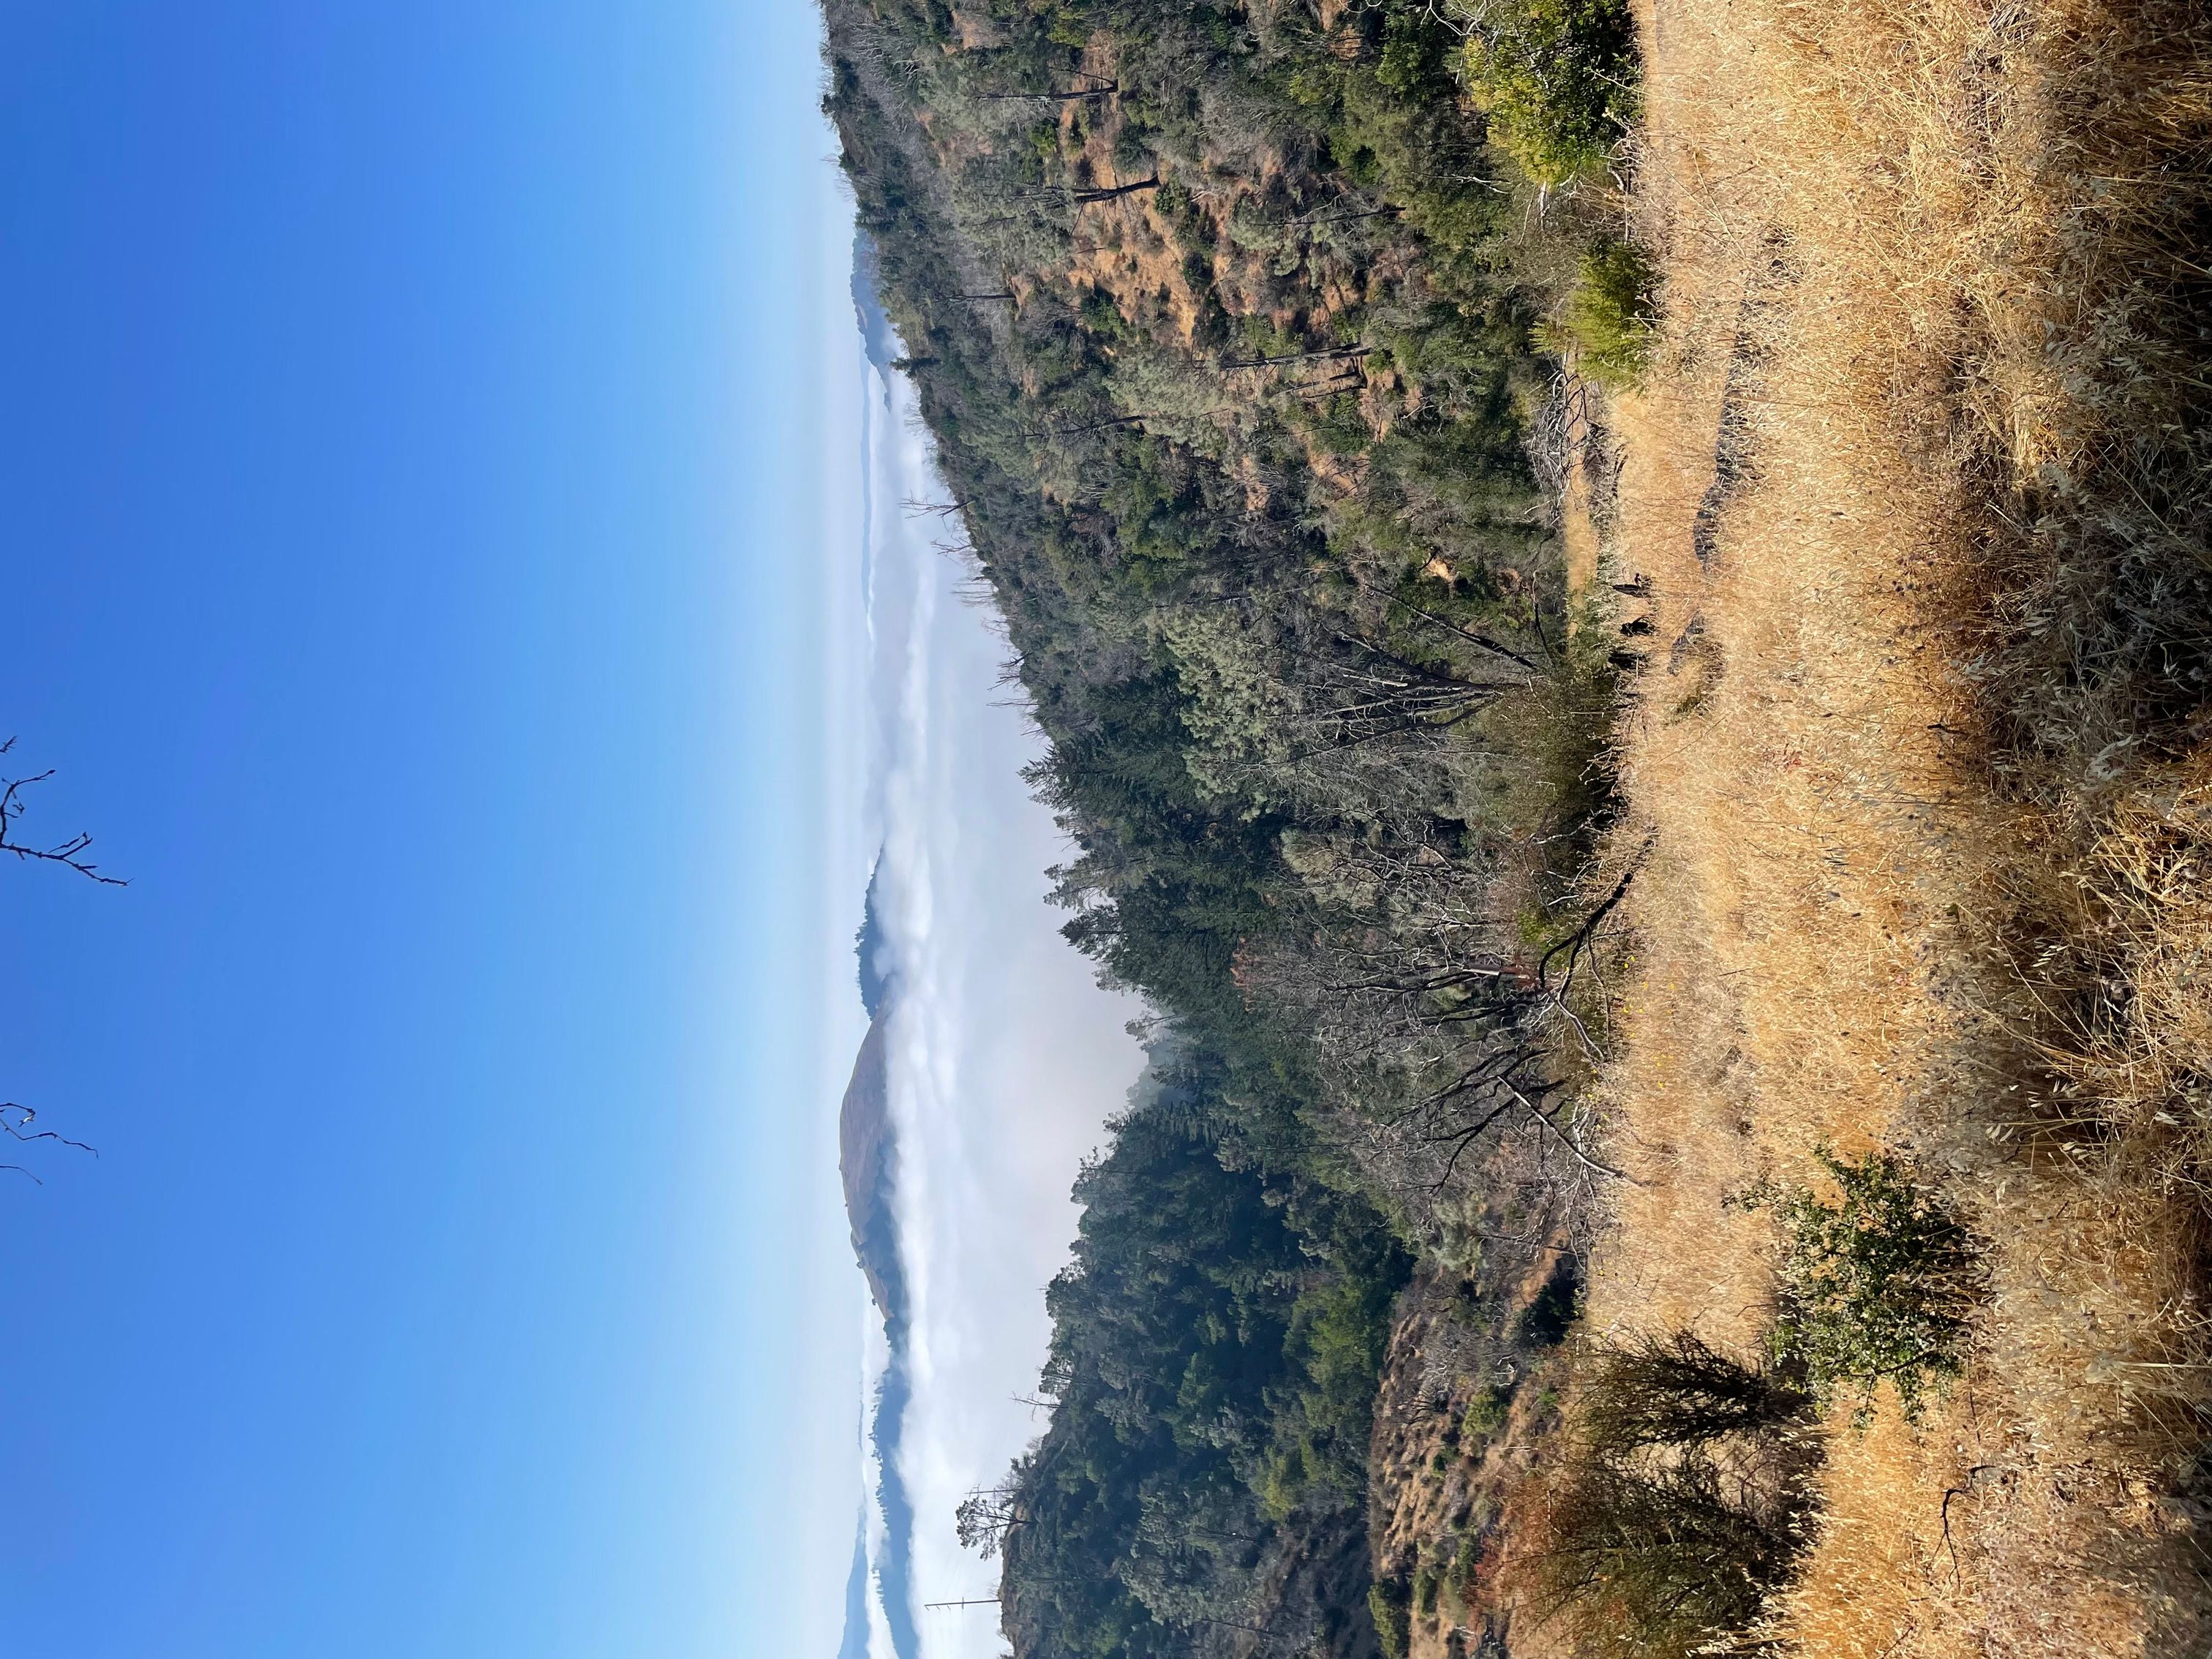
{"points": [[1469, 1401]]}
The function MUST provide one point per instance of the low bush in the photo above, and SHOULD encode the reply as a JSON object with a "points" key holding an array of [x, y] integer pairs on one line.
{"points": [[1682, 1501], [1611, 316], [1467, 1560], [1559, 80], [1550, 1315], [1485, 1415], [1390, 1604], [1878, 1284]]}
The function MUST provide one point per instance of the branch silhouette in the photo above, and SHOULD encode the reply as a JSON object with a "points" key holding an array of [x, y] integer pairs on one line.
{"points": [[71, 851], [18, 1124]]}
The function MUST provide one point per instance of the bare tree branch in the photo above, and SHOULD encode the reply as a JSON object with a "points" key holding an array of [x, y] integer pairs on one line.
{"points": [[16, 1126], [70, 852]]}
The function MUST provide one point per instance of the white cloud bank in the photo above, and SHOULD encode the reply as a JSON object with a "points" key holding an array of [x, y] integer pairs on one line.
{"points": [[1005, 1056]]}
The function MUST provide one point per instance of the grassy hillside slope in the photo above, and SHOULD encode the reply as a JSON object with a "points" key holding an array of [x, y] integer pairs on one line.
{"points": [[1920, 474]]}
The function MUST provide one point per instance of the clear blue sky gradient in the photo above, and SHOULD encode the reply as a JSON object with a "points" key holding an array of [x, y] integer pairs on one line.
{"points": [[408, 552]]}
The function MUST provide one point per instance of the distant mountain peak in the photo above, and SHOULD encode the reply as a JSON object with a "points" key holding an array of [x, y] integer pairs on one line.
{"points": [[868, 1160], [868, 946]]}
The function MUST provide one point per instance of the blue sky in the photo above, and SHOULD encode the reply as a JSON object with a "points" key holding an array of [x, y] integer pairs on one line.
{"points": [[413, 490]]}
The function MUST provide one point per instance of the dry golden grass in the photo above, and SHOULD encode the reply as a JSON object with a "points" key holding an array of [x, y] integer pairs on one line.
{"points": [[1930, 863]]}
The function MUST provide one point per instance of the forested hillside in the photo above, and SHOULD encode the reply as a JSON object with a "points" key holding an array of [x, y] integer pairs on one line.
{"points": [[1231, 325], [1215, 1347], [1223, 320]]}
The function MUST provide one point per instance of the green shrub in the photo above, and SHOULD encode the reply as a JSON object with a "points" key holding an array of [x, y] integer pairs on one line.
{"points": [[1878, 1284], [1283, 1481], [1485, 1415], [1611, 316], [1391, 1607], [1558, 79], [1466, 1559]]}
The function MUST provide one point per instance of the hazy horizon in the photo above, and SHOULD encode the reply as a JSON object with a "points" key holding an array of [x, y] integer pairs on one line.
{"points": [[1005, 1058]]}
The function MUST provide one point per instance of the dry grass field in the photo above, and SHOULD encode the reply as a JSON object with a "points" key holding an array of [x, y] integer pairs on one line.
{"points": [[1920, 480]]}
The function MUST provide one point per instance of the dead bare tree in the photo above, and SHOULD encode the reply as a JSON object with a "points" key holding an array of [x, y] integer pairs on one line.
{"points": [[1429, 1018], [1483, 641], [1581, 946], [914, 508], [1081, 196], [1112, 192], [1104, 89], [1322, 355]]}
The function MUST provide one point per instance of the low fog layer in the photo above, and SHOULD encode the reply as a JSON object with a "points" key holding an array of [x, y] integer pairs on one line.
{"points": [[1003, 1056]]}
